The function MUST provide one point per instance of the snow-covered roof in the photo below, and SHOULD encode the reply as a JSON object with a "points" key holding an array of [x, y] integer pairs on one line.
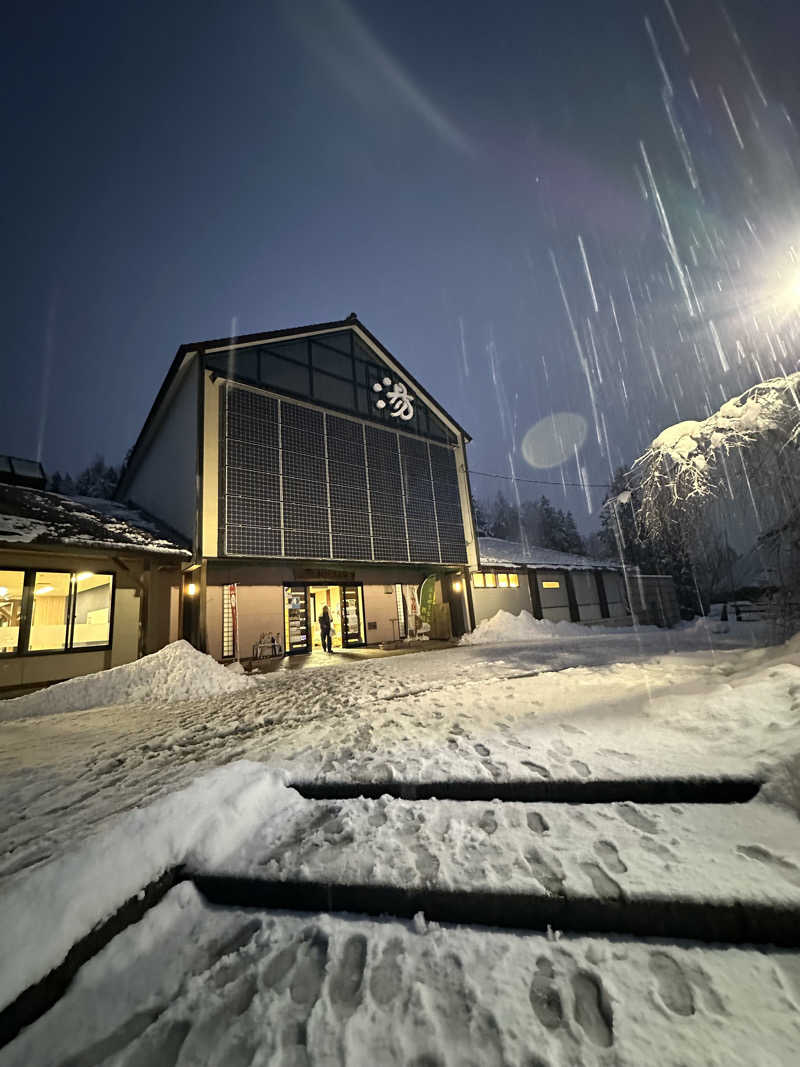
{"points": [[495, 552], [34, 517]]}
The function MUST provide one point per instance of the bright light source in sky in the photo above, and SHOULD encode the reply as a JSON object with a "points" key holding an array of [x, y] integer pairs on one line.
{"points": [[785, 297], [554, 439], [793, 289]]}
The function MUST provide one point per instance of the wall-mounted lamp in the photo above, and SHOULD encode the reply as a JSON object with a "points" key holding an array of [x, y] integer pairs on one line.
{"points": [[191, 589], [457, 585]]}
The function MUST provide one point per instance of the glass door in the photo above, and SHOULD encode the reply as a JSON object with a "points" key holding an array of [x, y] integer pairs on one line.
{"points": [[298, 633], [352, 621]]}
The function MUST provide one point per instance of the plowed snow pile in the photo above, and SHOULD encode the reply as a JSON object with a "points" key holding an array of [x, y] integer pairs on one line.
{"points": [[523, 627], [177, 672]]}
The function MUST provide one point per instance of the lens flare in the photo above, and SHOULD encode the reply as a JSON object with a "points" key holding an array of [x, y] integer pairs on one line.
{"points": [[554, 439]]}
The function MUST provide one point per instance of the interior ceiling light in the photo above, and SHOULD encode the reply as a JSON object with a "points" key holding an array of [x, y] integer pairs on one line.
{"points": [[84, 575], [43, 589]]}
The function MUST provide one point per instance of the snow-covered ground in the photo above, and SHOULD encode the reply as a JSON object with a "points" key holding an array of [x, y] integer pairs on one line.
{"points": [[200, 985], [91, 811]]}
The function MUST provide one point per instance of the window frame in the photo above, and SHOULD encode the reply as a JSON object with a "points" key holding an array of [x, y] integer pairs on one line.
{"points": [[26, 615], [22, 611]]}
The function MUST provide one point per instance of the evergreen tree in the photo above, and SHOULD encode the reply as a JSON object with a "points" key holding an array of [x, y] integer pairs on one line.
{"points": [[98, 480], [482, 523], [504, 519], [61, 483]]}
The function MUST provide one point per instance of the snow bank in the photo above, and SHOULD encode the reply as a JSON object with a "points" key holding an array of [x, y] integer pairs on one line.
{"points": [[52, 907], [177, 672], [523, 627]]}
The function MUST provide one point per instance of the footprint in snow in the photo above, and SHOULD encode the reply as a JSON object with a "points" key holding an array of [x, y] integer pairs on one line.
{"points": [[604, 885], [488, 822], [580, 768], [650, 845], [544, 996], [426, 863], [345, 981], [537, 768], [562, 748], [387, 978], [309, 972], [593, 1009], [673, 986], [633, 817], [787, 870], [482, 750], [549, 872], [537, 823], [607, 851]]}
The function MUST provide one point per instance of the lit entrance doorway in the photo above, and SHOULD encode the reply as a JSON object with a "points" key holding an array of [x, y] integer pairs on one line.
{"points": [[303, 604], [318, 597]]}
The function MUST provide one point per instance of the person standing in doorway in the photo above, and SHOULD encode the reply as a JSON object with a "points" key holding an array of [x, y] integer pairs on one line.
{"points": [[325, 629]]}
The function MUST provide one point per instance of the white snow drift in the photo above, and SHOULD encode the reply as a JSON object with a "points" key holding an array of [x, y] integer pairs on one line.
{"points": [[52, 907], [176, 672], [523, 627]]}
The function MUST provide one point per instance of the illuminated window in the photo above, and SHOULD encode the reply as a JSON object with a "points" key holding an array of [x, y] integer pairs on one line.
{"points": [[92, 611], [513, 581], [491, 580], [50, 612], [11, 586], [64, 611], [502, 580], [551, 585], [477, 581]]}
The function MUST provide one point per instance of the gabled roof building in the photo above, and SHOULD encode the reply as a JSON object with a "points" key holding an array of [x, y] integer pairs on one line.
{"points": [[307, 469]]}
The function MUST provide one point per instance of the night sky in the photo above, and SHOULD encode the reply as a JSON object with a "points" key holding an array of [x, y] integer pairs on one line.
{"points": [[575, 208]]}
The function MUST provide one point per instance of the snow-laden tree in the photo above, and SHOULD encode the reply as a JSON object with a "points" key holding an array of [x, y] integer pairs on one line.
{"points": [[751, 443], [729, 481]]}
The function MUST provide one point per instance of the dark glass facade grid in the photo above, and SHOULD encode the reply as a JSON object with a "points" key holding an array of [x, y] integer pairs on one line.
{"points": [[335, 369], [301, 483]]}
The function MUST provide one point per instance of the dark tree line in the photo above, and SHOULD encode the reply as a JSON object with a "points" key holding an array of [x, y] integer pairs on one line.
{"points": [[99, 479], [536, 521]]}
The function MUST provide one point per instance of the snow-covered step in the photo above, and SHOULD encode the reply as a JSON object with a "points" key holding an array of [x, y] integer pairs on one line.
{"points": [[228, 986], [748, 853]]}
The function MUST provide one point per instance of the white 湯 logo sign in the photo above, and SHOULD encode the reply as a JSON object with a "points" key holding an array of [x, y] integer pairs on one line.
{"points": [[401, 403]]}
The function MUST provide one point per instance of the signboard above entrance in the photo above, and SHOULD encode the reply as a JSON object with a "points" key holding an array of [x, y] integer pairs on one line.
{"points": [[323, 574]]}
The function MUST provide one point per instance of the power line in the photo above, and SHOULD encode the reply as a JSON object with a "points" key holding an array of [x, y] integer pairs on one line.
{"points": [[539, 481]]}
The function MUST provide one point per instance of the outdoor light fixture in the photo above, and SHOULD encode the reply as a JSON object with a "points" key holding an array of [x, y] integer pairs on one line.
{"points": [[191, 589], [457, 585]]}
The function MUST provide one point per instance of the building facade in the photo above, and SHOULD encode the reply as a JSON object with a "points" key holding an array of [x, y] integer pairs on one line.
{"points": [[84, 585], [307, 469], [561, 587]]}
